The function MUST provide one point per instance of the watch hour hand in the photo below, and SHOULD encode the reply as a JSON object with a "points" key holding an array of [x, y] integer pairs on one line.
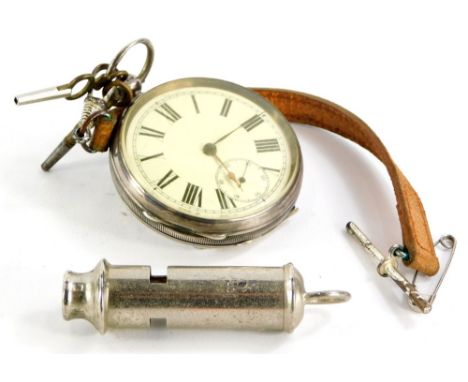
{"points": [[230, 174]]}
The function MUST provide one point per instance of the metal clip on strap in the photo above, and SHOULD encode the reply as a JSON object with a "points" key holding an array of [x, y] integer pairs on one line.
{"points": [[388, 267]]}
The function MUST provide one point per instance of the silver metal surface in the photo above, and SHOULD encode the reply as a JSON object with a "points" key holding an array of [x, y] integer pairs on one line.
{"points": [[42, 95], [253, 298], [70, 91], [388, 267], [195, 230], [326, 297]]}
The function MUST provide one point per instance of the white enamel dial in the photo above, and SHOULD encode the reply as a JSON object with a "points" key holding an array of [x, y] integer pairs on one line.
{"points": [[208, 152]]}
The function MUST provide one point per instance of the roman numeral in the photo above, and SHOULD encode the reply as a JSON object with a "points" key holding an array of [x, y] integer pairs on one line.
{"points": [[252, 123], [195, 104], [151, 157], [148, 132], [223, 200], [226, 106], [168, 113], [167, 179], [192, 194], [267, 145]]}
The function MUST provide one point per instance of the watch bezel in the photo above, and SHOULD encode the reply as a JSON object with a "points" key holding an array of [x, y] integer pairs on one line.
{"points": [[187, 227]]}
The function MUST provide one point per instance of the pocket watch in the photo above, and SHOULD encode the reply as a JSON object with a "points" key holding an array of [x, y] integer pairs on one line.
{"points": [[206, 161], [201, 160]]}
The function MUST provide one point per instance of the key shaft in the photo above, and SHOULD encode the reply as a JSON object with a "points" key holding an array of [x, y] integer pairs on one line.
{"points": [[42, 95], [91, 105], [60, 151]]}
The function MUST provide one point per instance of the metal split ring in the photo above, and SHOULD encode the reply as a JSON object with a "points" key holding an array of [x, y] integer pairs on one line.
{"points": [[148, 62]]}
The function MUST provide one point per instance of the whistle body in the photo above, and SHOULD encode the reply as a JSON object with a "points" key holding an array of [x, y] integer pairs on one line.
{"points": [[252, 298]]}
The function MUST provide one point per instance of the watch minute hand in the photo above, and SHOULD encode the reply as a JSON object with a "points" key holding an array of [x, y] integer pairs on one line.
{"points": [[227, 135]]}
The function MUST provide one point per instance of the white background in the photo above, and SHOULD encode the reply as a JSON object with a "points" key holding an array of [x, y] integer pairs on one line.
{"points": [[399, 65]]}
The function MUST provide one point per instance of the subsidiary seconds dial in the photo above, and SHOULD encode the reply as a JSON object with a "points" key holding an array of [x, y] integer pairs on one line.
{"points": [[243, 180]]}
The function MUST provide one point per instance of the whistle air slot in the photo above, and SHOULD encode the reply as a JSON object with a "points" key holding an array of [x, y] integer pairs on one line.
{"points": [[158, 279]]}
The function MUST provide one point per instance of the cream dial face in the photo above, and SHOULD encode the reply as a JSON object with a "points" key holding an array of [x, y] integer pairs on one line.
{"points": [[208, 152]]}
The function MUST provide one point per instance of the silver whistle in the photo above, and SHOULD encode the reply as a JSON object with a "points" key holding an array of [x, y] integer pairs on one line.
{"points": [[252, 298]]}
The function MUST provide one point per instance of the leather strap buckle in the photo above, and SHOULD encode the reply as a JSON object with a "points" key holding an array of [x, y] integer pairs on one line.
{"points": [[388, 267]]}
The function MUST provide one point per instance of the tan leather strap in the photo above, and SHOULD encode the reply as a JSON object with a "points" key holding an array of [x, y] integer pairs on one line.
{"points": [[315, 111]]}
